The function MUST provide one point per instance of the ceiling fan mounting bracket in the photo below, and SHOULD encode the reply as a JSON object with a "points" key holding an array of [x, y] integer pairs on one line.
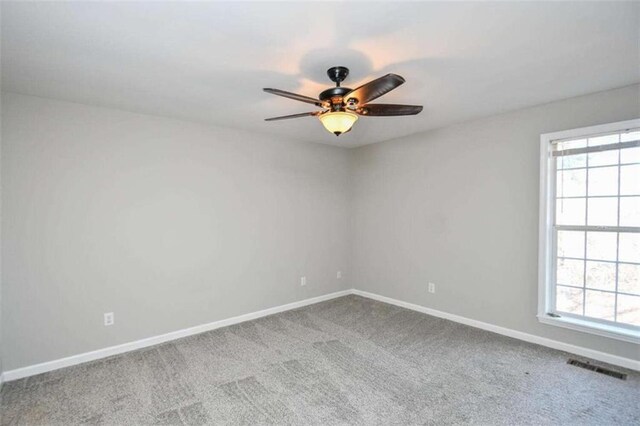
{"points": [[338, 74]]}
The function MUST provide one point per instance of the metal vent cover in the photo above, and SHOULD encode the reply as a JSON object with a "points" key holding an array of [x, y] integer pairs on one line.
{"points": [[597, 369]]}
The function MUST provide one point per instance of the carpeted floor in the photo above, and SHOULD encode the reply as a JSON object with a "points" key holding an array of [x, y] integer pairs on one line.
{"points": [[346, 361]]}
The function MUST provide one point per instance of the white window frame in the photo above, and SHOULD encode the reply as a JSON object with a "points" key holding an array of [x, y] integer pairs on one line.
{"points": [[547, 245]]}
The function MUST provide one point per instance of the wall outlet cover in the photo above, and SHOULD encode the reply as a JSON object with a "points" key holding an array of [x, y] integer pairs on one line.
{"points": [[109, 318]]}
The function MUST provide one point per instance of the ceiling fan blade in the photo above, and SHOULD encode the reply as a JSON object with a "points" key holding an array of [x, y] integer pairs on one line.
{"points": [[286, 117], [380, 110], [295, 96], [374, 89]]}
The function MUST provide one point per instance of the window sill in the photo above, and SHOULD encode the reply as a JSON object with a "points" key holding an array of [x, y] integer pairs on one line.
{"points": [[618, 333]]}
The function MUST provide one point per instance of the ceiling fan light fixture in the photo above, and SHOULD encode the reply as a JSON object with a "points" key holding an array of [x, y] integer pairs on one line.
{"points": [[338, 122]]}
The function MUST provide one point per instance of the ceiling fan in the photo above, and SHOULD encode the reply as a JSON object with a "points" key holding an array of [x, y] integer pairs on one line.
{"points": [[342, 106]]}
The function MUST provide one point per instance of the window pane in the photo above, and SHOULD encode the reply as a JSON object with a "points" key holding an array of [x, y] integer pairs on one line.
{"points": [[630, 136], [604, 140], [601, 276], [571, 244], [570, 211], [603, 181], [601, 245], [629, 250], [599, 304], [569, 300], [571, 161], [570, 272], [603, 158], [629, 278], [597, 273], [628, 309], [630, 211], [571, 183], [603, 211], [630, 180], [630, 155]]}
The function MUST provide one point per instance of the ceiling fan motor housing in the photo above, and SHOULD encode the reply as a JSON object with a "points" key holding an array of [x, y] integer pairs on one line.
{"points": [[334, 95], [333, 92]]}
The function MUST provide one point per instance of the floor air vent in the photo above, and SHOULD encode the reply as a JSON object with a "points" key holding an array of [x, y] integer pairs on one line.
{"points": [[597, 369]]}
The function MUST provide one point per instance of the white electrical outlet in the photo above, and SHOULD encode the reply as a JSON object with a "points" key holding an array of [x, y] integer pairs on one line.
{"points": [[339, 275], [109, 319], [432, 288], [303, 281]]}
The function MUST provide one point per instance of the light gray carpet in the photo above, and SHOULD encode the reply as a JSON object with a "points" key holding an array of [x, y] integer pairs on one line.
{"points": [[346, 361]]}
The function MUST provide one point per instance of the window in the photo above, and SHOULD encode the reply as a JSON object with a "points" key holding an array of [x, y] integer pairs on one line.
{"points": [[590, 230]]}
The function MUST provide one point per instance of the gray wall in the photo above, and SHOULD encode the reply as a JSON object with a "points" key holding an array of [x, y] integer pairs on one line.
{"points": [[459, 207], [1, 350], [168, 224], [172, 224]]}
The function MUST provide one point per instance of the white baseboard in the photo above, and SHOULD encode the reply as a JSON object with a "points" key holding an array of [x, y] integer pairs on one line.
{"points": [[32, 370], [155, 340], [543, 341]]}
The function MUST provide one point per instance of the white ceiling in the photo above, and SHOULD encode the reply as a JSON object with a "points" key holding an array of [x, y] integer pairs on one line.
{"points": [[209, 61]]}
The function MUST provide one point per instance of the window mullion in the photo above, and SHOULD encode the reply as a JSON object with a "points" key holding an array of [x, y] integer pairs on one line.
{"points": [[553, 188], [586, 223], [615, 305], [598, 228]]}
